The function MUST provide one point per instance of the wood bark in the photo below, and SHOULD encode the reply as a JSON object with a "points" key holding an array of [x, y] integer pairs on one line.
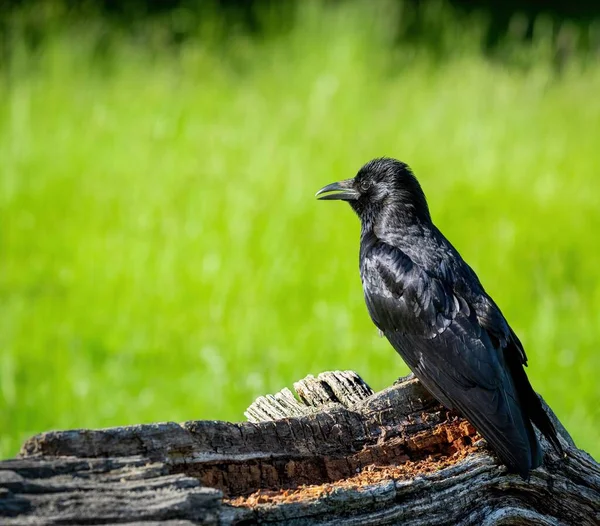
{"points": [[337, 454]]}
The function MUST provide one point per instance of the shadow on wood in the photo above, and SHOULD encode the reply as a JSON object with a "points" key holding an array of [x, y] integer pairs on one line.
{"points": [[340, 454]]}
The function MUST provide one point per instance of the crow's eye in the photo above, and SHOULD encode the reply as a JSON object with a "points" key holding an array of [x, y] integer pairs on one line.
{"points": [[364, 185]]}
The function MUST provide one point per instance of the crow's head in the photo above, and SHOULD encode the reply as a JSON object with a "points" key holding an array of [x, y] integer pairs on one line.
{"points": [[382, 186]]}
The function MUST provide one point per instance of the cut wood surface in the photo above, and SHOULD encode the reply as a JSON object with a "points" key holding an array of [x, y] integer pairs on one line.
{"points": [[336, 454]]}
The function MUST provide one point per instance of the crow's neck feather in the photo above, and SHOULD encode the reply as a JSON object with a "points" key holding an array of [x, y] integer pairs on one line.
{"points": [[398, 217]]}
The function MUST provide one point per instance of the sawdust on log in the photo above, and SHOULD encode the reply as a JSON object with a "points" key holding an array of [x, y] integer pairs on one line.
{"points": [[460, 441]]}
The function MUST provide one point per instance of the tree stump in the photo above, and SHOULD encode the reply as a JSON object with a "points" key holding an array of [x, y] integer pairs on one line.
{"points": [[341, 454]]}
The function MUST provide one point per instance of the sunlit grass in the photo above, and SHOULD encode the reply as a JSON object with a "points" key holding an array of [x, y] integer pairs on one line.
{"points": [[161, 253]]}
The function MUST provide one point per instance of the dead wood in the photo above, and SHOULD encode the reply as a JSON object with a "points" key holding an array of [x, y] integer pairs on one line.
{"points": [[341, 454]]}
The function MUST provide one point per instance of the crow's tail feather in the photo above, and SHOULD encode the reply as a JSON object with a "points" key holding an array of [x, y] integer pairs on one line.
{"points": [[530, 401]]}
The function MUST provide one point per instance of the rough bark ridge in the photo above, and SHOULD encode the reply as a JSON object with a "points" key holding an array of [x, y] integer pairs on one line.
{"points": [[340, 455]]}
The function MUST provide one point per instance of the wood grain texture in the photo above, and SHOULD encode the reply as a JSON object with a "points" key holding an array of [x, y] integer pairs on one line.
{"points": [[339, 455]]}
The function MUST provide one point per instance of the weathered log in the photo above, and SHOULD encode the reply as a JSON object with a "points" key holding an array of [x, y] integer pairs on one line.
{"points": [[339, 455]]}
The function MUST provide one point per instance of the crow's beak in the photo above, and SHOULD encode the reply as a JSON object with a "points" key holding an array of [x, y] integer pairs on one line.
{"points": [[344, 191]]}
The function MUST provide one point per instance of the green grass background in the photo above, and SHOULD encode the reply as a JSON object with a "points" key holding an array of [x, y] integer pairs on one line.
{"points": [[162, 256]]}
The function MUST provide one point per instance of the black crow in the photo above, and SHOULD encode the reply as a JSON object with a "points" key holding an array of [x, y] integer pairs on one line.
{"points": [[432, 308]]}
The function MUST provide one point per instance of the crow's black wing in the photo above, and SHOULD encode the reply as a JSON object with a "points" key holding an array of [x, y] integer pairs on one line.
{"points": [[438, 334], [504, 339], [403, 297]]}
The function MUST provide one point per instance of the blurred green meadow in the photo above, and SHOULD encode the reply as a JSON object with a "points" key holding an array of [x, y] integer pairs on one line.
{"points": [[162, 256]]}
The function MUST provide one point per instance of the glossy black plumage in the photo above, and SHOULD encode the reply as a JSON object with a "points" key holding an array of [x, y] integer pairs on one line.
{"points": [[434, 311]]}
